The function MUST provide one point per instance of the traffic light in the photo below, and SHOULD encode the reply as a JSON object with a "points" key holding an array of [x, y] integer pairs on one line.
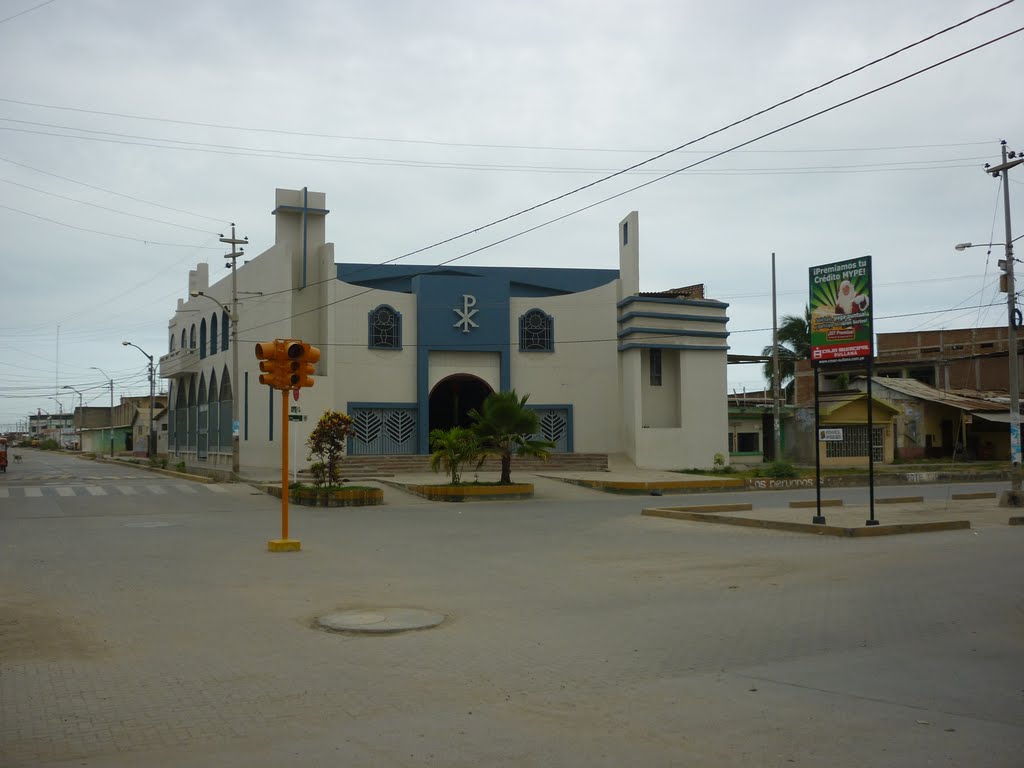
{"points": [[273, 357], [287, 363], [302, 362]]}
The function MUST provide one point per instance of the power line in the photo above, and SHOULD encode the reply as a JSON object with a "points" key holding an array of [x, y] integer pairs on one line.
{"points": [[109, 234], [27, 10], [105, 208], [110, 191], [233, 150], [617, 195]]}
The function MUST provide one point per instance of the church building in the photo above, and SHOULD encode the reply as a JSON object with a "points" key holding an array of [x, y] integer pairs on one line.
{"points": [[410, 348]]}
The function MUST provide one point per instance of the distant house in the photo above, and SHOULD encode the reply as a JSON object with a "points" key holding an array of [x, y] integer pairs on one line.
{"points": [[124, 426], [751, 427], [932, 423]]}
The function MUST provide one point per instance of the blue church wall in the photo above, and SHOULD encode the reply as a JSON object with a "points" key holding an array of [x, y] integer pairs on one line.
{"points": [[458, 313]]}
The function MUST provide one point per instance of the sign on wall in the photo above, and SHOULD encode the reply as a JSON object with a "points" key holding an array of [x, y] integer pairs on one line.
{"points": [[840, 304]]}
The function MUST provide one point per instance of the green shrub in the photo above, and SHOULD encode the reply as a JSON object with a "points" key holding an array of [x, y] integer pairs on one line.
{"points": [[779, 468], [49, 445], [180, 467]]}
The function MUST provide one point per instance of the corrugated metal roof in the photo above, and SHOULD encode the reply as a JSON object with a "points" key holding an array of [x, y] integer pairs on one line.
{"points": [[922, 391]]}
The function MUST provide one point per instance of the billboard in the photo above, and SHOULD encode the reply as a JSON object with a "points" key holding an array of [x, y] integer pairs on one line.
{"points": [[840, 305]]}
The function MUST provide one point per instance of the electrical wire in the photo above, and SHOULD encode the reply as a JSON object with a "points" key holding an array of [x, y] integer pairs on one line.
{"points": [[617, 195]]}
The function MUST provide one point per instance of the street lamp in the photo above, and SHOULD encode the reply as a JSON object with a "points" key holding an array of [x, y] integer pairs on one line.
{"points": [[60, 423], [151, 445], [97, 368], [81, 415]]}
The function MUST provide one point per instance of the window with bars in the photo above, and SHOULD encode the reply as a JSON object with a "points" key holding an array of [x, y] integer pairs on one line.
{"points": [[385, 328], [536, 332], [855, 444]]}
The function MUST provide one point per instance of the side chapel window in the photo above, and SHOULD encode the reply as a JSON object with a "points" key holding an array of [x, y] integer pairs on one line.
{"points": [[536, 332], [385, 328]]}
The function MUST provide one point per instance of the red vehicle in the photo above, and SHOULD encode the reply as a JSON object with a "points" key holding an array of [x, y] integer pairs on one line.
{"points": [[3, 454]]}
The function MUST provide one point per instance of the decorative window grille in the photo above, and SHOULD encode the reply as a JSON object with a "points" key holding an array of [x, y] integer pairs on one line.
{"points": [[385, 328], [536, 332], [855, 444], [382, 431], [554, 426]]}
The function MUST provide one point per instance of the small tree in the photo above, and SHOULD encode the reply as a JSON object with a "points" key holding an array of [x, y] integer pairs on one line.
{"points": [[327, 443], [452, 449], [505, 426]]}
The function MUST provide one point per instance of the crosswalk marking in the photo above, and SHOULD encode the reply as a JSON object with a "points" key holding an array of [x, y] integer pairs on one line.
{"points": [[93, 491]]}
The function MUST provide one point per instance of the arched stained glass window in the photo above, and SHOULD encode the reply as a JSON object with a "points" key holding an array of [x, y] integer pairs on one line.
{"points": [[385, 326], [536, 332]]}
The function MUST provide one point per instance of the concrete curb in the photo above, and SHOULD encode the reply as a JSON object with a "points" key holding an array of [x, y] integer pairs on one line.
{"points": [[818, 530], [159, 471], [638, 488], [515, 491]]}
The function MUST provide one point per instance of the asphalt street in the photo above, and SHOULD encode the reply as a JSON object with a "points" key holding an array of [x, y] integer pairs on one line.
{"points": [[143, 622]]}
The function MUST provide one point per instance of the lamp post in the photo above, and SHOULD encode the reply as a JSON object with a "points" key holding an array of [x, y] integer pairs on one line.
{"points": [[96, 368], [82, 415], [151, 444], [60, 423]]}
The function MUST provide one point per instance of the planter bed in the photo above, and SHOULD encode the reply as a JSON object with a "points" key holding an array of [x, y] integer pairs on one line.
{"points": [[347, 497], [472, 492]]}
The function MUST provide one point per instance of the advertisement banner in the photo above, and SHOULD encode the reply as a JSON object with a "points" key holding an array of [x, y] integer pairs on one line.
{"points": [[840, 304]]}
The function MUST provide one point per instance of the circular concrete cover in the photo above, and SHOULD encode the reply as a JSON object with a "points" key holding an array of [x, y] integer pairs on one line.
{"points": [[380, 621]]}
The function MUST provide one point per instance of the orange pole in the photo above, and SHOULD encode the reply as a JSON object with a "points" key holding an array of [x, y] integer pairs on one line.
{"points": [[284, 463]]}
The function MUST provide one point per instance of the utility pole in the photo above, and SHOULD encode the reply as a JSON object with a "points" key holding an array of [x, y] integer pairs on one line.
{"points": [[776, 407], [1012, 498], [235, 384]]}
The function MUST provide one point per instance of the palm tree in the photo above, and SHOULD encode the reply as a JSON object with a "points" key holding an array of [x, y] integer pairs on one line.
{"points": [[504, 426], [794, 344], [453, 448]]}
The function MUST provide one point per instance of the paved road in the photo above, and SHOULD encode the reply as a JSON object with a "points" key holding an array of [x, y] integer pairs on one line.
{"points": [[154, 629]]}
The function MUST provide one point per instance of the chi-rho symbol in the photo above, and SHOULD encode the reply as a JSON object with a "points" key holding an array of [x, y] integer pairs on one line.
{"points": [[466, 313]]}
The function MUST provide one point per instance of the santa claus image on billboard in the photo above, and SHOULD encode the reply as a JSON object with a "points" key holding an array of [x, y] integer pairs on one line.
{"points": [[849, 301]]}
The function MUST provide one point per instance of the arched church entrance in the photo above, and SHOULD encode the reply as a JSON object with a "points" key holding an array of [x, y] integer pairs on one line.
{"points": [[454, 397]]}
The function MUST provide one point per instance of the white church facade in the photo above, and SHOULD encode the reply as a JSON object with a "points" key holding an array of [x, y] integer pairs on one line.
{"points": [[410, 348]]}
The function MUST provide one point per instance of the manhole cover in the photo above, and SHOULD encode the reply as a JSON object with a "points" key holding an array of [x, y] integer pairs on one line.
{"points": [[381, 620]]}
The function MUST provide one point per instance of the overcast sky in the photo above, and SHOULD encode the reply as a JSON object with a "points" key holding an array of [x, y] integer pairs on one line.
{"points": [[434, 118]]}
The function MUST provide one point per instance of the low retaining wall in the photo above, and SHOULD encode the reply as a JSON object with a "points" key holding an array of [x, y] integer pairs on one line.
{"points": [[355, 497], [818, 530], [470, 492]]}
